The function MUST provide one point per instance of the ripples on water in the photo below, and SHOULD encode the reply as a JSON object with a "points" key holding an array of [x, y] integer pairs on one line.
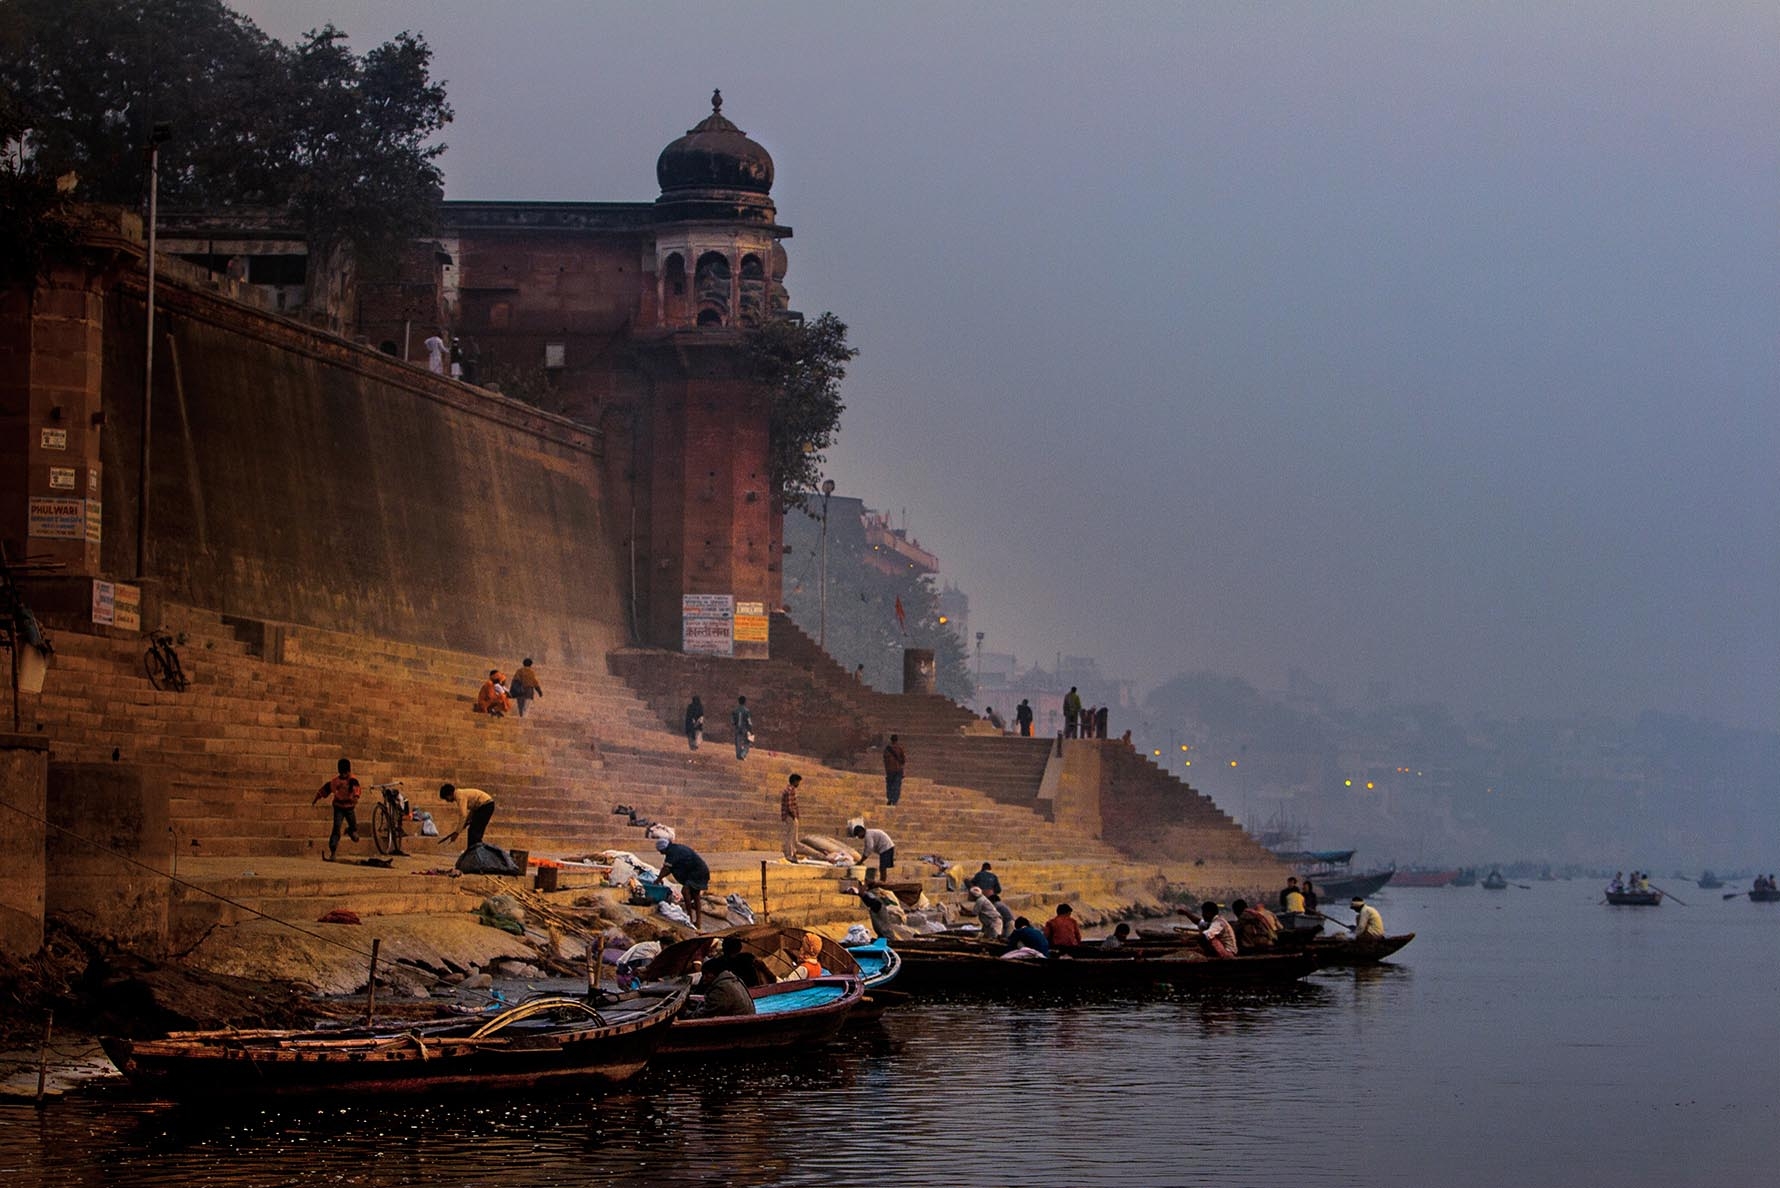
{"points": [[1531, 1040]]}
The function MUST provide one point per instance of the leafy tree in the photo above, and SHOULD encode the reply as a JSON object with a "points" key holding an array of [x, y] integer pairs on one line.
{"points": [[803, 364], [36, 216], [862, 626], [339, 141]]}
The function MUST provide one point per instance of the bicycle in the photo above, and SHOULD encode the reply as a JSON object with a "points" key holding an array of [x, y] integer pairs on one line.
{"points": [[162, 662], [387, 817]]}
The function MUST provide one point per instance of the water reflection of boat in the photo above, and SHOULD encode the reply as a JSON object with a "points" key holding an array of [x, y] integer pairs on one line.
{"points": [[542, 1041], [1495, 882]]}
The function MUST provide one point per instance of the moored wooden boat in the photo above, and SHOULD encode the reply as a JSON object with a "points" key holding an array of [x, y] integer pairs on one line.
{"points": [[542, 1041], [930, 970], [1422, 877], [1336, 951], [788, 1016], [1634, 898]]}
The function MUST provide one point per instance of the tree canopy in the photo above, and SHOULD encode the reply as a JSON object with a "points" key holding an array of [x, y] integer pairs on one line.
{"points": [[803, 364], [339, 140]]}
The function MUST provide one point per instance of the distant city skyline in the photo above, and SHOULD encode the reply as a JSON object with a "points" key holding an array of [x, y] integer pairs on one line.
{"points": [[1430, 346]]}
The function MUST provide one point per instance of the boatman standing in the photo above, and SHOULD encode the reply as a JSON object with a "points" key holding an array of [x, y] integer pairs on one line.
{"points": [[1368, 924]]}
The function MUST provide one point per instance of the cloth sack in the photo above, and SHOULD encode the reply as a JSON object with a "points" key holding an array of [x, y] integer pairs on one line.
{"points": [[737, 911], [858, 934], [483, 858], [674, 912]]}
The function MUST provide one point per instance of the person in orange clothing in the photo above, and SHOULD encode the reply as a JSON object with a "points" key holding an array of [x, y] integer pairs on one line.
{"points": [[1061, 929], [493, 699], [344, 790]]}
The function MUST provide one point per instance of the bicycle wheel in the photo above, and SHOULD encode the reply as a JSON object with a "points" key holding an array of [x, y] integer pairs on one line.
{"points": [[383, 829], [176, 674], [156, 664]]}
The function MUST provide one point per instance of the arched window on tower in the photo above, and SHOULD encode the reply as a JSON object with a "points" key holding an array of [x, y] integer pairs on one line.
{"points": [[751, 295], [710, 288], [674, 302]]}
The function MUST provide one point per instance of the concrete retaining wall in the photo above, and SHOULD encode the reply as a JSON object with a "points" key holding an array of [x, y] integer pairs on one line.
{"points": [[111, 817], [24, 775]]}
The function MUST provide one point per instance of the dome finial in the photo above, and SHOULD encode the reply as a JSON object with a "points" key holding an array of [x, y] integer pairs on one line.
{"points": [[716, 102]]}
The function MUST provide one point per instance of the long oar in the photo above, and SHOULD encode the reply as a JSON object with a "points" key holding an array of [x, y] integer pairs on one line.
{"points": [[1671, 895], [1735, 894]]}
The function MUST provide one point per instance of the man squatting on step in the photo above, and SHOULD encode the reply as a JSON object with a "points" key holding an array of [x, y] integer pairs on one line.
{"points": [[476, 807]]}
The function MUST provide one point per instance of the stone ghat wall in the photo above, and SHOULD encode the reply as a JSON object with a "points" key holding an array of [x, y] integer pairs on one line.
{"points": [[297, 477]]}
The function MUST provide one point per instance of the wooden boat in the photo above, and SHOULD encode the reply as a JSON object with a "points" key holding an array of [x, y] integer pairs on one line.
{"points": [[1335, 951], [777, 948], [1709, 881], [1765, 895], [1423, 877], [788, 1016], [1467, 877], [1494, 882], [550, 1040], [1329, 871], [1634, 898], [878, 963], [1086, 968]]}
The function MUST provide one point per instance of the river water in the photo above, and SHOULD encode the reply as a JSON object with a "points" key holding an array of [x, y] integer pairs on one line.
{"points": [[1526, 1037]]}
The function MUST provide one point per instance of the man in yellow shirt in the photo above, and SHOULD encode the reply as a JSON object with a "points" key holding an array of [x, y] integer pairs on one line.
{"points": [[476, 807]]}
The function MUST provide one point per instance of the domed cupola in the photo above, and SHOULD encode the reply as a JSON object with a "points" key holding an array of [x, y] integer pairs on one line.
{"points": [[715, 172]]}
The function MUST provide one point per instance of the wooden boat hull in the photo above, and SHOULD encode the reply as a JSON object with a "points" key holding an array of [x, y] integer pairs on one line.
{"points": [[1116, 969], [1423, 878], [1334, 952], [769, 1031], [1765, 896], [214, 1065], [1330, 888], [1635, 898]]}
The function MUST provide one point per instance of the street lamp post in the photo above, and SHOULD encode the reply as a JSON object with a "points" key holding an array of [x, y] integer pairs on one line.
{"points": [[822, 585], [979, 689], [157, 136]]}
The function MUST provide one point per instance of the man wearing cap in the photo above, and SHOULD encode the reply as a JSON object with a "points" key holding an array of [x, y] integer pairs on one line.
{"points": [[987, 914], [683, 863], [1368, 924]]}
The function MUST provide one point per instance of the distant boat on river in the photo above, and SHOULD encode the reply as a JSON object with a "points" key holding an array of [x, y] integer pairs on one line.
{"points": [[1495, 882], [1709, 881], [1650, 898], [1467, 877]]}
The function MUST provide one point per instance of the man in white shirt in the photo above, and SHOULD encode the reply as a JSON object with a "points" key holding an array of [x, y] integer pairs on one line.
{"points": [[876, 843], [1368, 924], [435, 354]]}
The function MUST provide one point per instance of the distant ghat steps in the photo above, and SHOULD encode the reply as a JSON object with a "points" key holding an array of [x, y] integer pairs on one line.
{"points": [[243, 751]]}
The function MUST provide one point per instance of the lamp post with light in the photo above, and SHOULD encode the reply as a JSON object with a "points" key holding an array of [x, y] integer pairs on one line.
{"points": [[822, 585]]}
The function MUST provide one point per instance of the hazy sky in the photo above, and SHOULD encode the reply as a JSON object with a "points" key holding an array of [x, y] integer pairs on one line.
{"points": [[1430, 343]]}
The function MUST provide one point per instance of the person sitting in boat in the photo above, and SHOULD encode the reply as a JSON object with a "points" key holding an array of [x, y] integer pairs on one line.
{"points": [[1618, 883], [738, 961], [809, 959], [1256, 927], [1061, 929], [987, 914], [1215, 932], [1025, 936], [1121, 935], [1309, 896], [726, 996], [1368, 924], [1291, 899]]}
